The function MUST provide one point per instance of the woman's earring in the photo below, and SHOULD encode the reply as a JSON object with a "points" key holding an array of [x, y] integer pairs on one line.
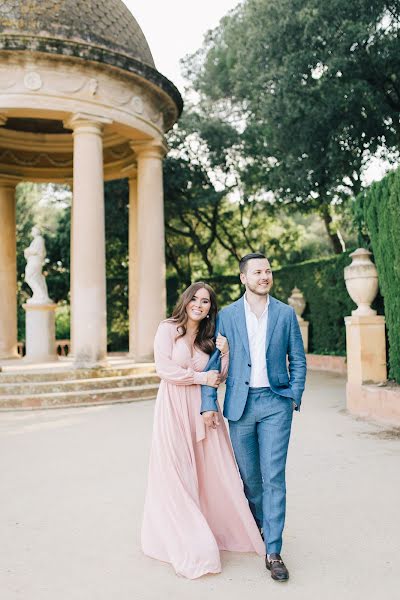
{"points": [[208, 316]]}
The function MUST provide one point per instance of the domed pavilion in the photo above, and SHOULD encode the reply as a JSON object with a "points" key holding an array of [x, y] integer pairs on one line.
{"points": [[81, 101]]}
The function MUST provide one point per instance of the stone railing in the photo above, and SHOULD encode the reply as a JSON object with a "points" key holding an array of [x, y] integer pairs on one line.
{"points": [[63, 347]]}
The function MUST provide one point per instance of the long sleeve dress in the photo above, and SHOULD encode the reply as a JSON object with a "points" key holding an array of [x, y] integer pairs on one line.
{"points": [[195, 505]]}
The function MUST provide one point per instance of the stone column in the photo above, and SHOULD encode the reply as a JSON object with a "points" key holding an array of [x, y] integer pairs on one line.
{"points": [[8, 271], [88, 271], [147, 251]]}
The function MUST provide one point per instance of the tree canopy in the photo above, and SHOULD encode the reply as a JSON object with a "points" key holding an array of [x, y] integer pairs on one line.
{"points": [[313, 88]]}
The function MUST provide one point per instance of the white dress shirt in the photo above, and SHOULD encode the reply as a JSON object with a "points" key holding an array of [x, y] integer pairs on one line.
{"points": [[257, 334]]}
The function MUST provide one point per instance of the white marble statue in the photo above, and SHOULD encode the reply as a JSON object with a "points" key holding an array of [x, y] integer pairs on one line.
{"points": [[35, 255]]}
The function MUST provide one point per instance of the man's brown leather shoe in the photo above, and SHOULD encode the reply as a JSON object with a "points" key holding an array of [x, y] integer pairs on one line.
{"points": [[277, 567]]}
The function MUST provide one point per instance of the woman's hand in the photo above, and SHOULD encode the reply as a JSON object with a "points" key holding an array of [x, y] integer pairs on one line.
{"points": [[213, 378], [222, 344], [211, 419]]}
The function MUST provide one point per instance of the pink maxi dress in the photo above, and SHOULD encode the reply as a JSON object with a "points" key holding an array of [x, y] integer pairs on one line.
{"points": [[195, 505]]}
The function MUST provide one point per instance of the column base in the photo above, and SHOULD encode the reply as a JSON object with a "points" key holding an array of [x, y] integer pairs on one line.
{"points": [[142, 358], [81, 363]]}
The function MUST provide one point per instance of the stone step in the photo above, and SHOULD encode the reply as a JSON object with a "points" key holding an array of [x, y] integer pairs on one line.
{"points": [[77, 385], [69, 374], [81, 398]]}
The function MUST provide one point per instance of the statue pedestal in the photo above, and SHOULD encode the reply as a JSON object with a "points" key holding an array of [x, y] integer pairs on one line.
{"points": [[304, 325], [366, 349], [40, 334]]}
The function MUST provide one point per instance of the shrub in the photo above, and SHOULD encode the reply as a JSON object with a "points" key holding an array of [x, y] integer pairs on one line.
{"points": [[63, 317], [381, 207], [323, 286]]}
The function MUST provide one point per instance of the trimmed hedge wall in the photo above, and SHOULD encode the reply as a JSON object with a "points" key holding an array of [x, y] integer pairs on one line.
{"points": [[381, 207], [324, 289], [322, 283], [328, 302]]}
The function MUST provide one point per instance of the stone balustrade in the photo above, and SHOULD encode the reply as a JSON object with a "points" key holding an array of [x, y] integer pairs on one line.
{"points": [[63, 348]]}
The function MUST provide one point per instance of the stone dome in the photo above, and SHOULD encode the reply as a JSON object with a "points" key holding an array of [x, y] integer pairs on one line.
{"points": [[102, 31], [106, 24]]}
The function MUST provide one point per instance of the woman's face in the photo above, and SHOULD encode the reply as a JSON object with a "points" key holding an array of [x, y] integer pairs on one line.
{"points": [[199, 306]]}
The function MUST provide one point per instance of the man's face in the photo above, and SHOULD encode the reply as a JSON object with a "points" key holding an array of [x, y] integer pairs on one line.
{"points": [[258, 276]]}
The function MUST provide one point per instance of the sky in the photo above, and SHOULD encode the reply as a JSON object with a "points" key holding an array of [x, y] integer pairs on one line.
{"points": [[175, 28]]}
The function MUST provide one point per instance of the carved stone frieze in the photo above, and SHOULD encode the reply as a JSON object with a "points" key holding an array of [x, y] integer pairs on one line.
{"points": [[8, 79], [93, 86], [137, 104], [33, 159], [33, 81], [67, 85], [117, 153], [92, 83]]}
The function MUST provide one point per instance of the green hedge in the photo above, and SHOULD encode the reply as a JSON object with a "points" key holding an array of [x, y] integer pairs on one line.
{"points": [[322, 283], [381, 207], [328, 302]]}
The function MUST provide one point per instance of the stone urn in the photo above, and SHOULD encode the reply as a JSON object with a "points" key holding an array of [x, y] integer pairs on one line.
{"points": [[297, 302], [361, 279]]}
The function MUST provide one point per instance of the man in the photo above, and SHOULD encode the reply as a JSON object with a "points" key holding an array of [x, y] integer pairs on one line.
{"points": [[260, 397]]}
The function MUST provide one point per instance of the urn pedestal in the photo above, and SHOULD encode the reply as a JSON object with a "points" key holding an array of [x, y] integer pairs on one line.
{"points": [[365, 330], [365, 336], [366, 349]]}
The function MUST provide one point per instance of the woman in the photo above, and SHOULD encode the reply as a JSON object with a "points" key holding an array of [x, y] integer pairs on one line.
{"points": [[195, 504]]}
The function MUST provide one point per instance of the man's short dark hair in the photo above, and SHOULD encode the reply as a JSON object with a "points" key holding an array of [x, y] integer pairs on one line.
{"points": [[245, 259]]}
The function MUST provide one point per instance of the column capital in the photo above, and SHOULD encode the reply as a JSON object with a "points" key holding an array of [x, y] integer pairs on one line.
{"points": [[149, 148], [9, 181], [86, 123]]}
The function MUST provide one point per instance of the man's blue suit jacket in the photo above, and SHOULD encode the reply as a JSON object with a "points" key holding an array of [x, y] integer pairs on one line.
{"points": [[284, 353]]}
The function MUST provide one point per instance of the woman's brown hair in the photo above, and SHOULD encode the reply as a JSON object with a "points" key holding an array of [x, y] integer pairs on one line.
{"points": [[204, 338]]}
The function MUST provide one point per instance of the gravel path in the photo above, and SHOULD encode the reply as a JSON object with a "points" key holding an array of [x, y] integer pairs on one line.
{"points": [[71, 493]]}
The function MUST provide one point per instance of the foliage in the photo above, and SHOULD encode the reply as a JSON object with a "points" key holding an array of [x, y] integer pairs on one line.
{"points": [[117, 219], [323, 286], [284, 238], [63, 319], [328, 302], [321, 281], [381, 206], [210, 221], [48, 207], [314, 89]]}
